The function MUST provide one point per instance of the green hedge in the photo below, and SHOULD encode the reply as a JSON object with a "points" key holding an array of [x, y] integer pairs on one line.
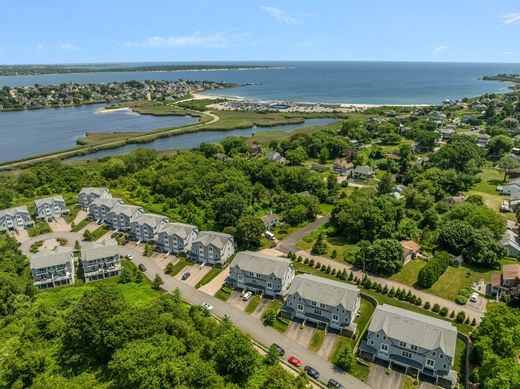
{"points": [[435, 268]]}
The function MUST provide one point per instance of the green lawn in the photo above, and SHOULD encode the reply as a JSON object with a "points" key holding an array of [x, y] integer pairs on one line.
{"points": [[253, 303], [316, 340], [359, 370], [82, 224], [409, 383], [366, 310], [280, 324], [39, 229], [98, 233], [409, 273], [339, 244], [223, 294], [215, 271], [487, 188], [72, 215], [181, 264]]}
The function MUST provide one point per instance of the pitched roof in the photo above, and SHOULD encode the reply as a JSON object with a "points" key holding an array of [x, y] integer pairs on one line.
{"points": [[217, 239], [179, 229], [108, 202], [325, 291], [410, 245], [14, 211], [48, 257], [510, 239], [48, 200], [93, 250], [97, 191], [511, 271], [261, 263], [152, 219], [420, 330], [269, 218], [128, 210], [364, 170]]}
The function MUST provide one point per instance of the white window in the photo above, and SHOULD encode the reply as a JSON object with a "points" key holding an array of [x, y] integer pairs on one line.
{"points": [[407, 354], [430, 362], [299, 307], [335, 317], [384, 348], [269, 285], [201, 251]]}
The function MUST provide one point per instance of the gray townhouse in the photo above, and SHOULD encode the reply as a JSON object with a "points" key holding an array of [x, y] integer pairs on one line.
{"points": [[419, 343], [213, 248], [265, 274], [99, 209], [100, 260], [121, 216], [53, 268], [327, 303], [145, 227], [176, 237], [50, 207], [14, 219], [87, 195]]}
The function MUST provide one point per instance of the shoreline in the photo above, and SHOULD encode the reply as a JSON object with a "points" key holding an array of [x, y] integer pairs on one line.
{"points": [[109, 110]]}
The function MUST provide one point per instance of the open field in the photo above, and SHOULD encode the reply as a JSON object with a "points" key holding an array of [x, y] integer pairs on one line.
{"points": [[487, 188]]}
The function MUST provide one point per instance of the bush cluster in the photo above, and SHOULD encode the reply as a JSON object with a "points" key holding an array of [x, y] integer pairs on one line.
{"points": [[435, 268]]}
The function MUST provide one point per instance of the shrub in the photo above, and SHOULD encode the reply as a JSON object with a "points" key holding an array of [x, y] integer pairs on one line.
{"points": [[413, 299], [385, 290], [333, 271], [419, 301], [328, 269], [269, 317], [465, 292], [169, 268], [408, 296], [318, 265], [444, 311], [392, 292], [436, 308], [427, 305], [351, 276], [452, 314], [306, 261], [323, 268], [334, 254], [311, 263], [461, 300], [345, 359], [433, 269], [300, 258], [461, 316]]}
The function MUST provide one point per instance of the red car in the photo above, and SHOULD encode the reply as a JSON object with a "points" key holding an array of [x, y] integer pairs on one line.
{"points": [[294, 361]]}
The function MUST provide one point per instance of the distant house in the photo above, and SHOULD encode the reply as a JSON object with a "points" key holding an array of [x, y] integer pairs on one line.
{"points": [[87, 195], [342, 167], [255, 150], [100, 260], [410, 249], [393, 157], [363, 172], [513, 186], [418, 148], [514, 173], [420, 344], [176, 237], [146, 226], [50, 207], [319, 167], [53, 268], [397, 191], [14, 219], [455, 199], [483, 140], [270, 221], [266, 274], [509, 278], [121, 216], [221, 157], [438, 116], [511, 242], [213, 248], [328, 303], [99, 209], [275, 156], [446, 132]]}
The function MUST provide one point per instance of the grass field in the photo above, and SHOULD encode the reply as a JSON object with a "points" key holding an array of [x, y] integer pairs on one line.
{"points": [[279, 324], [39, 228], [366, 311], [360, 371], [215, 271], [340, 245], [409, 273], [253, 303], [487, 188]]}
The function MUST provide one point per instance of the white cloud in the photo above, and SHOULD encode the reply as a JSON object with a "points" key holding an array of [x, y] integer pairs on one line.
{"points": [[511, 18], [279, 15], [67, 46], [507, 53], [439, 49], [196, 39]]}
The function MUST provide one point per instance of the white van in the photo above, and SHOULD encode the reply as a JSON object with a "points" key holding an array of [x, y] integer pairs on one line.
{"points": [[269, 235]]}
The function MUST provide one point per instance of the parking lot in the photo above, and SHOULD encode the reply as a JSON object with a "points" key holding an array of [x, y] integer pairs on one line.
{"points": [[196, 273]]}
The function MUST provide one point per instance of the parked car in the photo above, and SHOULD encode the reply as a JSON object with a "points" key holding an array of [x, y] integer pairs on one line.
{"points": [[130, 257], [294, 361], [208, 306], [311, 371], [185, 276], [279, 349], [474, 297], [334, 384], [247, 296], [142, 267]]}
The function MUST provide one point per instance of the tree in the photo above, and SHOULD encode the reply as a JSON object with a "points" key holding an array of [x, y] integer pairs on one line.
{"points": [[320, 247], [157, 282], [228, 209], [249, 231], [385, 184], [499, 145], [345, 359], [434, 268], [507, 163], [87, 235], [269, 317], [297, 156], [273, 356], [514, 297], [384, 256]]}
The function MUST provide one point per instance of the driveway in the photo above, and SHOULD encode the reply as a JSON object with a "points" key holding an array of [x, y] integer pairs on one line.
{"points": [[59, 225], [20, 235], [216, 283], [196, 274], [80, 217], [426, 385], [261, 307], [236, 301], [161, 259], [289, 243], [92, 226], [328, 344], [301, 336], [377, 378]]}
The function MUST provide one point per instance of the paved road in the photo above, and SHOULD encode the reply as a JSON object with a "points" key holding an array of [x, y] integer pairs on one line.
{"points": [[262, 334], [289, 243]]}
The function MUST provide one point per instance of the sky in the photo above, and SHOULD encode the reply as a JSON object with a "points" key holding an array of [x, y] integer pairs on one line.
{"points": [[49, 31]]}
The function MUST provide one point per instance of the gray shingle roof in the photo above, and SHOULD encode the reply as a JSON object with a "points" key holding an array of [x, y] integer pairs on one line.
{"points": [[128, 210], [261, 263], [269, 218], [151, 219], [93, 250], [180, 229], [410, 327], [47, 257], [217, 239], [48, 200], [364, 170], [13, 211], [96, 191], [325, 291], [108, 202]]}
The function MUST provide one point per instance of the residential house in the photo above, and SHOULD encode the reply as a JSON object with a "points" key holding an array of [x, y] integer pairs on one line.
{"points": [[410, 249], [213, 248], [397, 191], [176, 237], [419, 343], [319, 167], [393, 157], [275, 156], [511, 242], [270, 221], [438, 116], [513, 186], [328, 303], [100, 260], [255, 150], [14, 219], [509, 278], [483, 140], [512, 203], [50, 207], [53, 268], [454, 199], [260, 273], [514, 173], [121, 216], [87, 195], [100, 208], [446, 132], [363, 172], [221, 157], [146, 226], [342, 167]]}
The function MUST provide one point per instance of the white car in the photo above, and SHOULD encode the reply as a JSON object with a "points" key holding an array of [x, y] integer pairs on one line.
{"points": [[247, 296], [474, 297], [130, 257], [208, 306]]}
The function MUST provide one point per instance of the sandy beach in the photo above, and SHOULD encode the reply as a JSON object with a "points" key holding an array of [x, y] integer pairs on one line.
{"points": [[105, 110]]}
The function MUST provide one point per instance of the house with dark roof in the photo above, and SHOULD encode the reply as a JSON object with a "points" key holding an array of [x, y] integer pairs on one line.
{"points": [[51, 268], [327, 303], [87, 195], [213, 248], [418, 343], [176, 237], [100, 260], [50, 207], [14, 219], [261, 273]]}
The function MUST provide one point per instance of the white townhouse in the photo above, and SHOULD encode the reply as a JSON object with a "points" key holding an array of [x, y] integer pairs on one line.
{"points": [[213, 248], [50, 207], [87, 195], [14, 219], [51, 268], [176, 237], [146, 226], [100, 208], [121, 216], [100, 260]]}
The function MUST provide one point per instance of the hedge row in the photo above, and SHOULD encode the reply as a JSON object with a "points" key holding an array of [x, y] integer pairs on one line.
{"points": [[433, 269]]}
